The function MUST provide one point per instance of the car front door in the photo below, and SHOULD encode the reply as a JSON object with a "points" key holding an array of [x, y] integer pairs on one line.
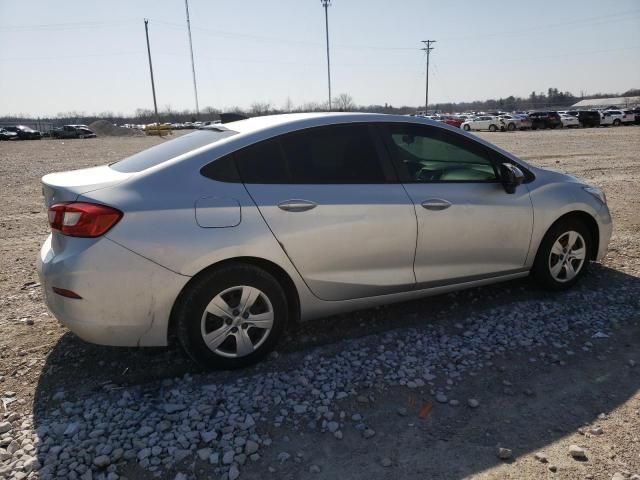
{"points": [[334, 204], [468, 226]]}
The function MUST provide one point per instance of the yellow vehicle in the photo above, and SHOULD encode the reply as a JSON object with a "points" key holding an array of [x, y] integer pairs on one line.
{"points": [[155, 129]]}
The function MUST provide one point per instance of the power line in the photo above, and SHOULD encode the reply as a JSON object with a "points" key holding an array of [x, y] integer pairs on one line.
{"points": [[427, 48]]}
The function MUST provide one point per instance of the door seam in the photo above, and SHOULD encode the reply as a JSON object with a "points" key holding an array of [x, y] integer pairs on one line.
{"points": [[280, 243]]}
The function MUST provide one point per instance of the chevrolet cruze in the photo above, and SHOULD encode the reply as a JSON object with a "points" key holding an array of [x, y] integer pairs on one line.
{"points": [[222, 237]]}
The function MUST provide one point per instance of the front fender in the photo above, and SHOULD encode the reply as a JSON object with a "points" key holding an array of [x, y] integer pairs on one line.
{"points": [[553, 200]]}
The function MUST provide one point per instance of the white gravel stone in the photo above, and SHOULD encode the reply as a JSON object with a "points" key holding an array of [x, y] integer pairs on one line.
{"points": [[234, 473], [250, 447], [577, 452], [441, 397]]}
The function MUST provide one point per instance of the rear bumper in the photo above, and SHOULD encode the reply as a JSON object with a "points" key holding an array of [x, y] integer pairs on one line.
{"points": [[126, 299]]}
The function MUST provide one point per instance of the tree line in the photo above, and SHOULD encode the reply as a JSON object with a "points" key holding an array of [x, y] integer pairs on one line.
{"points": [[344, 102]]}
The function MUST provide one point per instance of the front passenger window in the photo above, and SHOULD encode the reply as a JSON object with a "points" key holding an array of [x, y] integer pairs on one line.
{"points": [[435, 155]]}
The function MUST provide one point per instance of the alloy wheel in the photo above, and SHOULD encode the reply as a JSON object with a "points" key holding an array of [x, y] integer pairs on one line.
{"points": [[567, 256], [237, 321]]}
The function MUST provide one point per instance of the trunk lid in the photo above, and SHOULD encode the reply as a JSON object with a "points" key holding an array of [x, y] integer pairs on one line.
{"points": [[67, 186]]}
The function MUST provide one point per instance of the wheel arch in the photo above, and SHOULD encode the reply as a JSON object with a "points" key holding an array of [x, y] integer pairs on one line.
{"points": [[590, 223], [281, 276]]}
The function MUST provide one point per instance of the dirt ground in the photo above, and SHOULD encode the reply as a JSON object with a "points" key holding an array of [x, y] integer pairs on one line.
{"points": [[525, 406]]}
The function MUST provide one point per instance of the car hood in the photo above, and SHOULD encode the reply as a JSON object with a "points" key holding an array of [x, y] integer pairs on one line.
{"points": [[555, 175]]}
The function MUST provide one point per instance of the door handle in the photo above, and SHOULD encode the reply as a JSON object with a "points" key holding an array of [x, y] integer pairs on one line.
{"points": [[296, 205], [436, 204]]}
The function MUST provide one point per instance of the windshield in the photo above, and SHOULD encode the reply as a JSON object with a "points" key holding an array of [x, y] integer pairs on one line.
{"points": [[170, 149]]}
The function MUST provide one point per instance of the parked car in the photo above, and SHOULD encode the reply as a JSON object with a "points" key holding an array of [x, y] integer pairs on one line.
{"points": [[588, 118], [569, 121], [630, 117], [260, 232], [541, 120], [636, 114], [484, 122], [24, 132], [451, 120], [7, 135], [514, 122], [612, 117], [72, 131]]}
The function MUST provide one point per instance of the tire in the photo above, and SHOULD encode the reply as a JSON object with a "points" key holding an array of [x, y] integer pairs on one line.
{"points": [[553, 251], [511, 127], [616, 122], [492, 128], [228, 286], [466, 128]]}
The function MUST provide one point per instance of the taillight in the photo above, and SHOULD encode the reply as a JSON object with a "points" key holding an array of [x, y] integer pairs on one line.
{"points": [[83, 219]]}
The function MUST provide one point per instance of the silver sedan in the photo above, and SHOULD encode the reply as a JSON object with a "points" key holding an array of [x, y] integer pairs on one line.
{"points": [[222, 237]]}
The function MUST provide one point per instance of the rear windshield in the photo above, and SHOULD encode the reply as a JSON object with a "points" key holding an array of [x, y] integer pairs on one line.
{"points": [[170, 149]]}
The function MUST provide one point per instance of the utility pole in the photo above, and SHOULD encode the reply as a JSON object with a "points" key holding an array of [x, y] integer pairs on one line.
{"points": [[193, 67], [325, 4], [153, 86], [427, 48]]}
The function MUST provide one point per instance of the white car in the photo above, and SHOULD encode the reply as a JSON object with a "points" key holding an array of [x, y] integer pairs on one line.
{"points": [[484, 122], [630, 117], [612, 117], [569, 121], [514, 122]]}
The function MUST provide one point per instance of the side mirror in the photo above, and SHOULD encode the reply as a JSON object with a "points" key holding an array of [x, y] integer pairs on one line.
{"points": [[511, 177]]}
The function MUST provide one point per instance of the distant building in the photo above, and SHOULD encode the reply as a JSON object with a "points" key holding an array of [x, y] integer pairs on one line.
{"points": [[616, 102]]}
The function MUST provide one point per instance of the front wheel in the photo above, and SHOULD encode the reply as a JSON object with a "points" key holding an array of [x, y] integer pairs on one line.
{"points": [[231, 317], [466, 128], [563, 256], [492, 128], [511, 127]]}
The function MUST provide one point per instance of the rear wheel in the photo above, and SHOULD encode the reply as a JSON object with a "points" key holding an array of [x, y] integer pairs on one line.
{"points": [[466, 128], [492, 128], [616, 122], [511, 127], [231, 317], [563, 256]]}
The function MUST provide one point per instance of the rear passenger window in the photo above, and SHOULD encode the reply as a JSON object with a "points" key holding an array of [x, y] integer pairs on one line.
{"points": [[342, 154], [262, 163]]}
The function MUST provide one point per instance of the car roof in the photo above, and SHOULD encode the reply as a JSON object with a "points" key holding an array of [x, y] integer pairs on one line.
{"points": [[301, 120]]}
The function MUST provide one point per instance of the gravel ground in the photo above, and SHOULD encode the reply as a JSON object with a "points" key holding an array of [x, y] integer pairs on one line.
{"points": [[505, 381]]}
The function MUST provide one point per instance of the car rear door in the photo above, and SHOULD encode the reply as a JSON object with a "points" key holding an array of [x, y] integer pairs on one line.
{"points": [[468, 226], [335, 206]]}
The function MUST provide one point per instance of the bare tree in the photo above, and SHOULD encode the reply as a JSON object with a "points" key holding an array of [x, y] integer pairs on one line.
{"points": [[344, 103], [260, 108]]}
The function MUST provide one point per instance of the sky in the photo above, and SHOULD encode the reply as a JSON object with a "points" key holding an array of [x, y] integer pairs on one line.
{"points": [[90, 56]]}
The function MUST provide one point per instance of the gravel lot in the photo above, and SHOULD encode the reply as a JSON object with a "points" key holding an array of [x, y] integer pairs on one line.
{"points": [[505, 381]]}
